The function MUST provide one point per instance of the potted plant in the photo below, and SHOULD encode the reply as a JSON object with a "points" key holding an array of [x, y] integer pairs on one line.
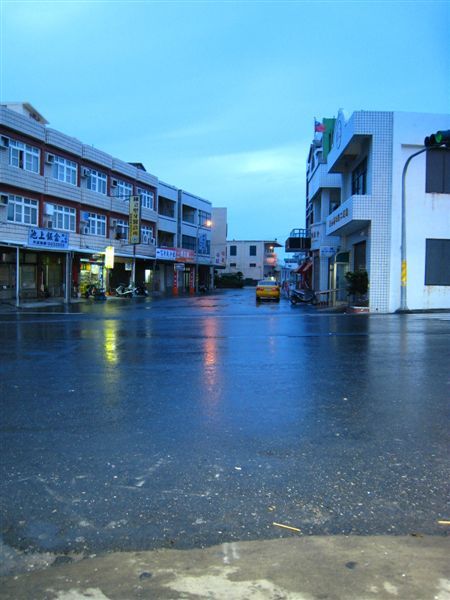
{"points": [[357, 287]]}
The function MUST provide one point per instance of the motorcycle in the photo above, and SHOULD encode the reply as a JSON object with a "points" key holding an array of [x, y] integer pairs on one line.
{"points": [[124, 291], [303, 296], [130, 290], [98, 293], [140, 290]]}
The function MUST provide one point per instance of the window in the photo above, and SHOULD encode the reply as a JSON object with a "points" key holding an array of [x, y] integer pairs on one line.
{"points": [[252, 265], [335, 199], [147, 198], [233, 250], [252, 250], [122, 229], [123, 190], [146, 233], [437, 180], [359, 256], [97, 182], [188, 242], [64, 170], [64, 218], [359, 179], [24, 156], [97, 224], [232, 264], [203, 218], [437, 262], [22, 210]]}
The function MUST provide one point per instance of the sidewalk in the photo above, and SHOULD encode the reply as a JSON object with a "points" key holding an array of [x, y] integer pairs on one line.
{"points": [[293, 568]]}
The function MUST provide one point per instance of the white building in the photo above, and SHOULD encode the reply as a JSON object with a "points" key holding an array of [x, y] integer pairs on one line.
{"points": [[255, 259], [219, 238], [354, 208]]}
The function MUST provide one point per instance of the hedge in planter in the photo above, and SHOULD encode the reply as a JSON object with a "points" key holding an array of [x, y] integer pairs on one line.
{"points": [[357, 285]]}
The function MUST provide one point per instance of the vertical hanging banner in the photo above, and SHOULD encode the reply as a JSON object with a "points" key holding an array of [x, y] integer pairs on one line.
{"points": [[109, 257], [134, 231], [175, 281]]}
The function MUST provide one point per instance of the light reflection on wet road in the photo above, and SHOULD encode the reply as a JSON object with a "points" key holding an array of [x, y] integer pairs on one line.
{"points": [[193, 421]]}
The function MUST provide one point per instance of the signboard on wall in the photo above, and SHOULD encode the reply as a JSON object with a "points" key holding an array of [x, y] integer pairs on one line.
{"points": [[47, 238], [166, 253], [220, 258], [134, 232], [184, 255], [109, 257], [327, 251]]}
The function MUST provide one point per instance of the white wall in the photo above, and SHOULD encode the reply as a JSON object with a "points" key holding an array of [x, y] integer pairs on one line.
{"points": [[427, 215]]}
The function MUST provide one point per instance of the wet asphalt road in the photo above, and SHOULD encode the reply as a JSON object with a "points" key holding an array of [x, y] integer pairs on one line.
{"points": [[186, 422]]}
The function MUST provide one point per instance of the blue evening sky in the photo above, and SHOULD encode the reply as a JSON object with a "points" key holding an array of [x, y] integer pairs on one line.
{"points": [[219, 97]]}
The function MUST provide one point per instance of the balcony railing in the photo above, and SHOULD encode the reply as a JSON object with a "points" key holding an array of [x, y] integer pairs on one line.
{"points": [[299, 239]]}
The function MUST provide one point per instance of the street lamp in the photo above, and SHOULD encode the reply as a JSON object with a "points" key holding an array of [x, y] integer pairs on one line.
{"points": [[207, 224]]}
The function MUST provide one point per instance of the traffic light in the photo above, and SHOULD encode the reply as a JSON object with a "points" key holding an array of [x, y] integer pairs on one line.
{"points": [[440, 138]]}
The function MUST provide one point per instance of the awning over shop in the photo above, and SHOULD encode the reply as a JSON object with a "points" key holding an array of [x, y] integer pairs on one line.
{"points": [[304, 268]]}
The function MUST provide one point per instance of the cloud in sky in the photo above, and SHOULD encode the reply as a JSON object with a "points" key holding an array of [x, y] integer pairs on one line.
{"points": [[219, 98], [35, 18], [285, 161]]}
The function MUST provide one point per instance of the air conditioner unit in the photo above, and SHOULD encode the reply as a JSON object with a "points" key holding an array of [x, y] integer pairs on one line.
{"points": [[152, 241], [113, 223], [84, 230], [4, 142], [145, 239], [114, 183], [4, 199], [49, 158], [85, 172], [84, 217], [49, 224], [49, 209]]}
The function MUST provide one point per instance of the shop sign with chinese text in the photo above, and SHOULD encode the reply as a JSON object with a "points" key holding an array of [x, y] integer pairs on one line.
{"points": [[166, 253], [47, 238], [134, 232], [184, 255]]}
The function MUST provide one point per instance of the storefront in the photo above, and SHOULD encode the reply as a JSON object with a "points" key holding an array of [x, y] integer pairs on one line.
{"points": [[42, 265]]}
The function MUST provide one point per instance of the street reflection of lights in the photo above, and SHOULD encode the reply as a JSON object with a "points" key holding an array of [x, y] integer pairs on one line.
{"points": [[210, 344], [211, 371], [110, 342]]}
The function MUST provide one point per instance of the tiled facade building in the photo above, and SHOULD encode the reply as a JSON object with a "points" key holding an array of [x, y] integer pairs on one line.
{"points": [[354, 209]]}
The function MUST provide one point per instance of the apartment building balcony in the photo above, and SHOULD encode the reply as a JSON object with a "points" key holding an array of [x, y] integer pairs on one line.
{"points": [[97, 244], [18, 122], [64, 142], [62, 190], [20, 178], [298, 240], [321, 178], [270, 258], [353, 214]]}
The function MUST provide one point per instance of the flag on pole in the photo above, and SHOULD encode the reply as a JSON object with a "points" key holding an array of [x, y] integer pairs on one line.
{"points": [[318, 127]]}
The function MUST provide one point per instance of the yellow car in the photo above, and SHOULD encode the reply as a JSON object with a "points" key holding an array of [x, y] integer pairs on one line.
{"points": [[267, 289]]}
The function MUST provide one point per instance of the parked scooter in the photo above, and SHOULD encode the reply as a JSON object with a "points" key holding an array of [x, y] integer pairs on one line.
{"points": [[93, 291], [125, 291], [140, 290], [303, 296]]}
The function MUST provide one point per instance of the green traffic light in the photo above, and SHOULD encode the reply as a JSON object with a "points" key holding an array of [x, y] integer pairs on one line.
{"points": [[440, 138]]}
